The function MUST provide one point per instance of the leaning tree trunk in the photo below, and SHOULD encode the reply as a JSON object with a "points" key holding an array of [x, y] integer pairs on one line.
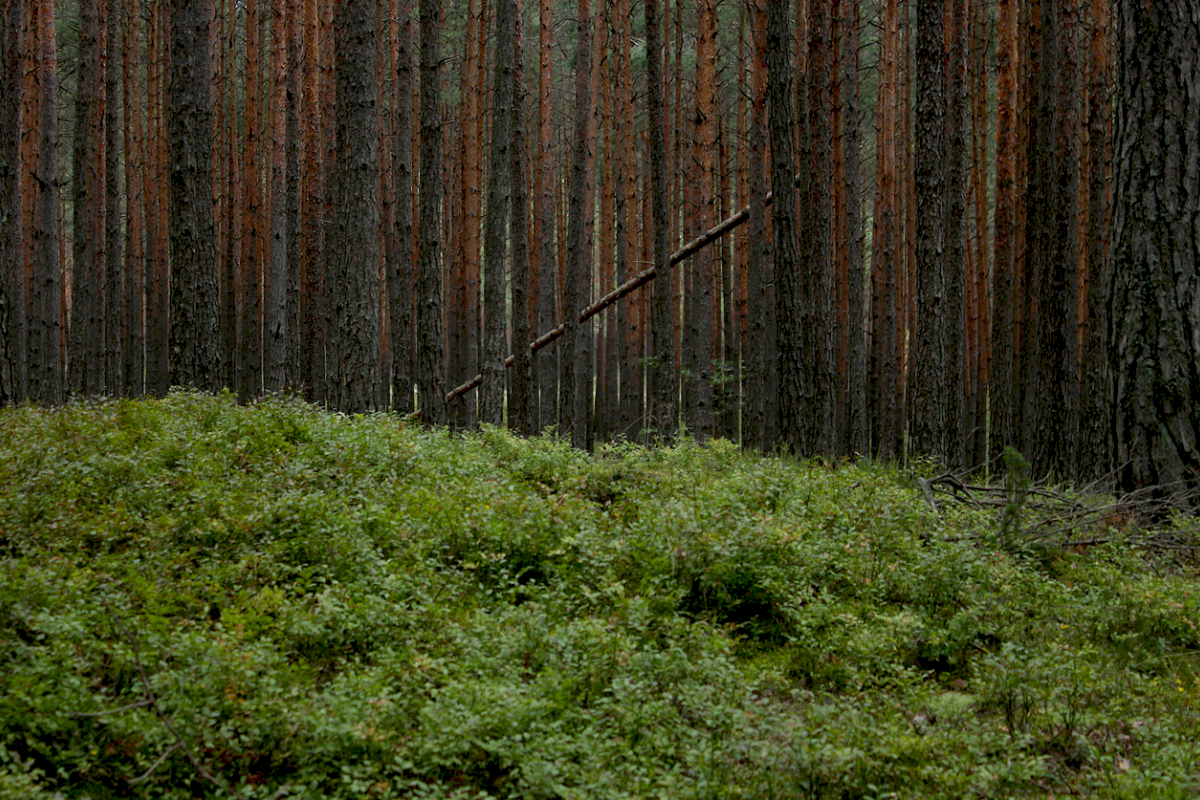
{"points": [[1154, 334]]}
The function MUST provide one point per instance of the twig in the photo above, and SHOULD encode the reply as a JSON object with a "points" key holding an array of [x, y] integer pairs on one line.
{"points": [[145, 776]]}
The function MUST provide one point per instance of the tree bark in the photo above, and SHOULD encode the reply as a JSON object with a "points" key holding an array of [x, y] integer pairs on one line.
{"points": [[45, 319], [114, 262], [954, 265], [352, 262], [781, 122], [1095, 447], [1154, 328], [662, 371], [85, 358], [521, 407], [430, 366], [496, 234], [400, 282], [195, 351], [855, 437], [929, 397], [576, 401], [135, 205], [1055, 167], [12, 270]]}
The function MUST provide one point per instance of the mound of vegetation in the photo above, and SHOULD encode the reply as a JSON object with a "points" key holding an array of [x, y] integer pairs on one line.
{"points": [[203, 599]]}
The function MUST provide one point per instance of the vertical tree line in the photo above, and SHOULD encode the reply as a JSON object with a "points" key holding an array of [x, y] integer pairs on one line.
{"points": [[827, 227]]}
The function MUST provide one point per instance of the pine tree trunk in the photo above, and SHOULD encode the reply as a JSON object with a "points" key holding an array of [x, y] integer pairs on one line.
{"points": [[496, 234], [430, 358], [954, 265], [662, 372], [781, 123], [929, 396], [353, 240], [856, 432], [275, 321], [400, 283], [135, 208], [12, 272], [85, 368], [45, 318], [1155, 275], [1095, 450], [521, 406], [114, 261], [195, 351]]}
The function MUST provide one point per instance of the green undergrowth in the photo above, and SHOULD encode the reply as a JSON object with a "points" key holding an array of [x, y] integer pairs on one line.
{"points": [[201, 599]]}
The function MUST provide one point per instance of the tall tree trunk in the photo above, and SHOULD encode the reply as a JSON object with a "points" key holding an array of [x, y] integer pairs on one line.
{"points": [[1003, 393], [1055, 168], [45, 317], [576, 368], [495, 242], [352, 261], [157, 229], [275, 327], [430, 359], [855, 437], [400, 283], [547, 366], [135, 204], [1154, 344], [954, 265], [12, 271], [760, 359], [1095, 451], [699, 413], [929, 399], [790, 354], [85, 359], [195, 351], [818, 323], [294, 182], [626, 189], [662, 375], [886, 257], [521, 407], [114, 262], [250, 339]]}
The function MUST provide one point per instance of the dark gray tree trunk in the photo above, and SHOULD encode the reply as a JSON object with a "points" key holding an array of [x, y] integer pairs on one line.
{"points": [[1154, 335], [1095, 413], [929, 412], [662, 372], [400, 274], [85, 356], [430, 359], [790, 355], [855, 438], [195, 356], [576, 365], [12, 273], [521, 407], [495, 237], [1057, 258], [45, 315], [760, 359], [352, 262], [958, 130], [114, 257]]}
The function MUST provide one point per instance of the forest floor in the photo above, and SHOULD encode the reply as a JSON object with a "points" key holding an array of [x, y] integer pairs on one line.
{"points": [[201, 599]]}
